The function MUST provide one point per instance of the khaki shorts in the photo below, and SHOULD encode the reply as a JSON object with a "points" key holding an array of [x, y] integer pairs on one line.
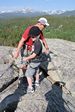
{"points": [[32, 69]]}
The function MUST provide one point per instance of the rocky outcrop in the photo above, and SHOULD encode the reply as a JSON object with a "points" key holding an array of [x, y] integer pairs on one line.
{"points": [[63, 58], [56, 92], [7, 73]]}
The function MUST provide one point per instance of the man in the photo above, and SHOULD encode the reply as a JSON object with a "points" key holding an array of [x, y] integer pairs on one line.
{"points": [[41, 24], [26, 40], [33, 59]]}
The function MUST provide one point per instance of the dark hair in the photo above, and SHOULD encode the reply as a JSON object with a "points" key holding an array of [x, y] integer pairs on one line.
{"points": [[34, 32]]}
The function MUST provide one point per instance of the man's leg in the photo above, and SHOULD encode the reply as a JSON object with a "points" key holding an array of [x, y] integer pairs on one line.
{"points": [[22, 65]]}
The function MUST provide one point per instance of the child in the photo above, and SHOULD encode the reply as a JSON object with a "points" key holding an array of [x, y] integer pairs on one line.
{"points": [[34, 58]]}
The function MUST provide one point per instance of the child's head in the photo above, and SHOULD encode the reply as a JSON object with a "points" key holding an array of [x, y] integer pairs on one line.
{"points": [[34, 32]]}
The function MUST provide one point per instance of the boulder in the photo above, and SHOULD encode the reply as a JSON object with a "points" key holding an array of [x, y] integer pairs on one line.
{"points": [[7, 73], [58, 69]]}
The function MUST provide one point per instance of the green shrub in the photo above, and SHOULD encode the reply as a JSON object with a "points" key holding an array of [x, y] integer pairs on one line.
{"points": [[11, 30]]}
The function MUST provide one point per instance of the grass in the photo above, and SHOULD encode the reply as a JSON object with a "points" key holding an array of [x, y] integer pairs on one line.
{"points": [[11, 30]]}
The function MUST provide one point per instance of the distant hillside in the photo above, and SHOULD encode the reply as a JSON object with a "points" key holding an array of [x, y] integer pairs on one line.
{"points": [[68, 13], [21, 14], [30, 13]]}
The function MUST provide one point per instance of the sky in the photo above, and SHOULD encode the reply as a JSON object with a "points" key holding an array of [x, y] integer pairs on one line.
{"points": [[37, 4]]}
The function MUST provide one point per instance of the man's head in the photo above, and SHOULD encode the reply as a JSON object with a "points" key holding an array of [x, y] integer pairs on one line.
{"points": [[42, 23], [34, 32]]}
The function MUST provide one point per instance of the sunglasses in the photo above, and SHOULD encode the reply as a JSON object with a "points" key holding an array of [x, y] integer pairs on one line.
{"points": [[44, 25]]}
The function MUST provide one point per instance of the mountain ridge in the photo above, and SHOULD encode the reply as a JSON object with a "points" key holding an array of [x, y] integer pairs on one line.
{"points": [[32, 13]]}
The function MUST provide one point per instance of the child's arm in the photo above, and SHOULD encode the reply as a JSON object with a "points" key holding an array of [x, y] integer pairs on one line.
{"points": [[30, 57]]}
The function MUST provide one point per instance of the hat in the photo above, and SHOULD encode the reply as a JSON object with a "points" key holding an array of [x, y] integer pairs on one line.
{"points": [[43, 21], [34, 31]]}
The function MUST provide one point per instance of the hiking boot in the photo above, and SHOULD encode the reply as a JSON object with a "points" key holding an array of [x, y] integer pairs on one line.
{"points": [[30, 90]]}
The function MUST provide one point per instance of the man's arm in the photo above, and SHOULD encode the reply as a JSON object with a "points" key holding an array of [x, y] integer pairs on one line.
{"points": [[46, 45], [16, 53], [44, 41], [21, 42]]}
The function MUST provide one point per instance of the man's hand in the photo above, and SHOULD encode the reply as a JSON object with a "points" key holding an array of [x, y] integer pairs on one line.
{"points": [[46, 51], [15, 54]]}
